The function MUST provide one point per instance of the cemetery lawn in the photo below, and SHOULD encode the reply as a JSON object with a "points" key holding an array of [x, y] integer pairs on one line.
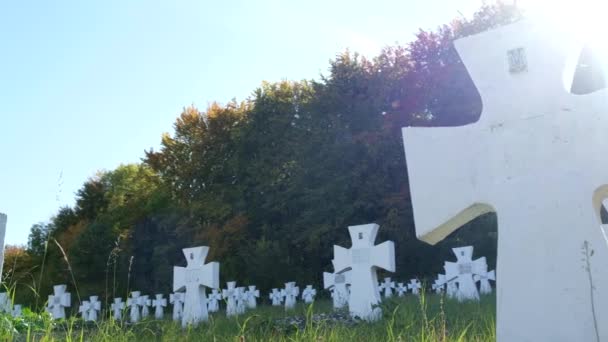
{"points": [[430, 318]]}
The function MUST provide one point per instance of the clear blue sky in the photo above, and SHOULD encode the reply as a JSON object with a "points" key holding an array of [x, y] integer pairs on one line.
{"points": [[88, 85]]}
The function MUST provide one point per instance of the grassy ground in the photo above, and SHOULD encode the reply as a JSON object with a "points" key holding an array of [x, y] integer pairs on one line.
{"points": [[430, 318]]}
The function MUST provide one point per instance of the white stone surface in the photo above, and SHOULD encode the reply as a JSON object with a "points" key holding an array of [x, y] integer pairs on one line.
{"points": [[401, 289], [144, 303], [177, 299], [193, 279], [290, 292], [363, 259], [83, 309], [252, 294], [276, 297], [134, 304], [213, 302], [536, 158], [94, 308], [414, 286], [58, 301], [117, 307], [16, 312], [159, 303], [230, 296], [338, 284], [3, 220], [484, 281], [463, 270], [387, 286], [308, 294]]}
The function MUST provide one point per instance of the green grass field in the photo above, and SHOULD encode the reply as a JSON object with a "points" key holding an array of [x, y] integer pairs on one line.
{"points": [[428, 318]]}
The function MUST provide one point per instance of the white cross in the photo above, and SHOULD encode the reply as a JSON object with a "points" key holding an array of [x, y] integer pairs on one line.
{"points": [[276, 297], [213, 301], [229, 295], [241, 300], [484, 281], [117, 307], [387, 286], [145, 302], [290, 292], [2, 234], [83, 309], [338, 284], [5, 305], [363, 258], [193, 279], [94, 308], [415, 286], [159, 303], [252, 294], [58, 301], [134, 303], [308, 294], [536, 157], [439, 283], [16, 312], [401, 289], [177, 299], [463, 270]]}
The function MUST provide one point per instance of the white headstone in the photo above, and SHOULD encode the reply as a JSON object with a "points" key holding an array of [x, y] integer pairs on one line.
{"points": [[401, 289], [117, 307], [535, 157], [484, 281], [387, 286], [159, 304], [252, 294], [290, 292], [364, 258], [83, 309], [94, 308], [241, 300], [194, 278], [414, 286], [5, 303], [338, 284], [276, 297], [2, 234], [177, 299], [134, 304], [145, 302], [58, 301], [213, 302], [16, 310], [230, 295], [463, 270], [308, 294]]}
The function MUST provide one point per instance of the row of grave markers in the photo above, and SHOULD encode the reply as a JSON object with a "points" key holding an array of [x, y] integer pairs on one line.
{"points": [[353, 284]]}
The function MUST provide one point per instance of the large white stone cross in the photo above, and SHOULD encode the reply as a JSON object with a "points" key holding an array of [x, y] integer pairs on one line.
{"points": [[193, 279], [536, 157], [463, 270], [2, 234], [58, 301], [363, 259], [338, 283]]}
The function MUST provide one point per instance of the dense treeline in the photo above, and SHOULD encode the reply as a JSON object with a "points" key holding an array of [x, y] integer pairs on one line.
{"points": [[270, 183]]}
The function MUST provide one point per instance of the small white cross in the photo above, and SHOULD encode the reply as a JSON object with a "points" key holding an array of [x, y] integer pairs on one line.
{"points": [[401, 289], [484, 281], [338, 284], [252, 294], [58, 301], [213, 301], [415, 286], [308, 294], [463, 270], [94, 308], [387, 286], [177, 299], [145, 302], [290, 292], [117, 307], [276, 297], [134, 303], [229, 295], [159, 303], [241, 300]]}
